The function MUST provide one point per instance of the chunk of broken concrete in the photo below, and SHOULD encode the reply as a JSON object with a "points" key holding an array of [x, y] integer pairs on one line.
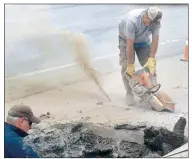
{"points": [[81, 140], [44, 116], [87, 140], [163, 140]]}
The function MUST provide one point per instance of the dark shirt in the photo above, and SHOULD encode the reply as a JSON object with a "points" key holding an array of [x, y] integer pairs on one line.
{"points": [[14, 146]]}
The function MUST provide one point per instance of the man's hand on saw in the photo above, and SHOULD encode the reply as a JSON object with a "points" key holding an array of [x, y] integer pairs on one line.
{"points": [[130, 69], [151, 64]]}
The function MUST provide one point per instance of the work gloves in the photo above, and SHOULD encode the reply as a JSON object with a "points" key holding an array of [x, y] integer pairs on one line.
{"points": [[151, 65], [130, 69]]}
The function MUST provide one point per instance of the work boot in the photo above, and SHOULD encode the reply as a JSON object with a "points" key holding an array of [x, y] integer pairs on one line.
{"points": [[130, 99]]}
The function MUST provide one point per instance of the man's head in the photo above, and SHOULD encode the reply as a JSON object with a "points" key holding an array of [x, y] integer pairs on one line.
{"points": [[152, 15], [22, 117]]}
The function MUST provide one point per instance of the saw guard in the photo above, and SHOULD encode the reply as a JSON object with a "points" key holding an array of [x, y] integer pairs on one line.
{"points": [[161, 101]]}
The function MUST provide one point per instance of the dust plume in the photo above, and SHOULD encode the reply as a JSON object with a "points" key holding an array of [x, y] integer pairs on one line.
{"points": [[84, 61], [34, 22]]}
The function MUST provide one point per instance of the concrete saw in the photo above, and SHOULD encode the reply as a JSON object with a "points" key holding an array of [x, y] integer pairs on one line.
{"points": [[145, 86]]}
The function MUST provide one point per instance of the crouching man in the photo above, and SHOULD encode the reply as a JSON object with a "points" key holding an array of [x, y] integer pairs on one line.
{"points": [[19, 121]]}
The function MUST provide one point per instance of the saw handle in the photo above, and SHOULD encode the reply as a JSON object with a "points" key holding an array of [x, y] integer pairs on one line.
{"points": [[154, 91]]}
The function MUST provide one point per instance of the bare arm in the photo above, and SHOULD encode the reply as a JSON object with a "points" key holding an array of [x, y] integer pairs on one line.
{"points": [[155, 40], [154, 46], [130, 51]]}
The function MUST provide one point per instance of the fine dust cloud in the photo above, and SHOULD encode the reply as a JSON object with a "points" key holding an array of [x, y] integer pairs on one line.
{"points": [[25, 22]]}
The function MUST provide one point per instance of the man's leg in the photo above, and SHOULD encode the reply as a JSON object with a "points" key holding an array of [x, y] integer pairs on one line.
{"points": [[123, 63], [143, 54]]}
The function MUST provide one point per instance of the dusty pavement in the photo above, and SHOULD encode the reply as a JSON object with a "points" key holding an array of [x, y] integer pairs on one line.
{"points": [[83, 102], [64, 92]]}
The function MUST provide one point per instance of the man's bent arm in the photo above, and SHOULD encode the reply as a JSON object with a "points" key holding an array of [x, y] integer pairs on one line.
{"points": [[154, 46]]}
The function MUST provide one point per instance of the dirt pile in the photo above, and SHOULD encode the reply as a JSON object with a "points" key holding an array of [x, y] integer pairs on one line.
{"points": [[87, 140]]}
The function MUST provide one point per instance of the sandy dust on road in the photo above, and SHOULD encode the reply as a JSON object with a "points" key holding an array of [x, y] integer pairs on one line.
{"points": [[83, 101]]}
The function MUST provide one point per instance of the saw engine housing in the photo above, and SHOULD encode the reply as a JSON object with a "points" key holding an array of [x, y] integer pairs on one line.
{"points": [[145, 86]]}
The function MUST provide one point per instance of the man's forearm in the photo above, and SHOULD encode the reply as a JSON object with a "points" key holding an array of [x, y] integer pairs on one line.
{"points": [[155, 41]]}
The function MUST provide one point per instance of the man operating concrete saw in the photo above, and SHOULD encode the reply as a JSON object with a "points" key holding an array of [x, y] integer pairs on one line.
{"points": [[134, 31]]}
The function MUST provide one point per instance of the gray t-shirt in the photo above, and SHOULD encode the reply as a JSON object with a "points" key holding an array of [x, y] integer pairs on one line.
{"points": [[131, 26]]}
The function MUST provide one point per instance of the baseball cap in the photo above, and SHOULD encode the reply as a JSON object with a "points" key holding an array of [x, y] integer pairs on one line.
{"points": [[23, 111], [154, 14]]}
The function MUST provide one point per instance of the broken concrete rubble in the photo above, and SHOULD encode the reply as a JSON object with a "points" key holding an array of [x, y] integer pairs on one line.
{"points": [[164, 141], [87, 140]]}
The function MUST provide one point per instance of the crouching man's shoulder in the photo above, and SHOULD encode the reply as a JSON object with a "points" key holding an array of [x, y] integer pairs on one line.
{"points": [[15, 147]]}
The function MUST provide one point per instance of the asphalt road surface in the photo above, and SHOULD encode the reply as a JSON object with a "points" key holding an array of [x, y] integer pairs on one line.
{"points": [[99, 23]]}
